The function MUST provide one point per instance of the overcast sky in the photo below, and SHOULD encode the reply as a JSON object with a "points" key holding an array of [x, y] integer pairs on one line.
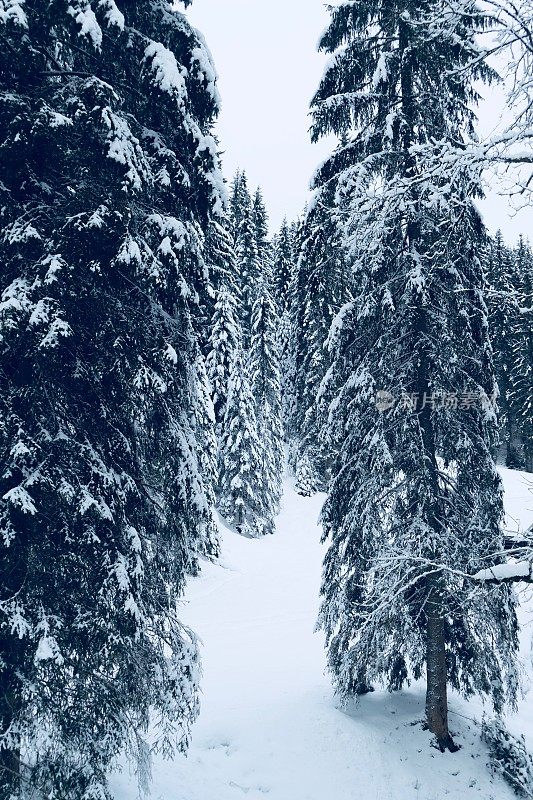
{"points": [[268, 65]]}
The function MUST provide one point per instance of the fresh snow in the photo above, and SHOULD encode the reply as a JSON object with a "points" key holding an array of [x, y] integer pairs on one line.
{"points": [[169, 76], [19, 497], [270, 727], [47, 649], [113, 14], [12, 11], [518, 519], [86, 19], [202, 56], [518, 501], [520, 569]]}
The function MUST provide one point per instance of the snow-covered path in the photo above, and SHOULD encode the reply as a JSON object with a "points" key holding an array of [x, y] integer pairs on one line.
{"points": [[269, 727]]}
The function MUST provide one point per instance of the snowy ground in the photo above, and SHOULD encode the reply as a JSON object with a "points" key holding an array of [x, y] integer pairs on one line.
{"points": [[270, 728]]}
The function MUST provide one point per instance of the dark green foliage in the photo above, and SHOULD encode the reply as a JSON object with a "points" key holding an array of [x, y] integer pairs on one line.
{"points": [[509, 301], [240, 455], [416, 500], [502, 304], [321, 287], [283, 261], [264, 248], [521, 379], [224, 342], [265, 385], [108, 176], [251, 428], [247, 230]]}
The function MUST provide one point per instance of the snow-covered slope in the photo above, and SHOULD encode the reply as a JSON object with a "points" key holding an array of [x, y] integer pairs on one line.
{"points": [[270, 727]]}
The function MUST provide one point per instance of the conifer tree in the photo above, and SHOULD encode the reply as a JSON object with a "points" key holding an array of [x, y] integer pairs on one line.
{"points": [[239, 500], [220, 256], [416, 501], [224, 343], [265, 384], [205, 430], [109, 175], [239, 201], [264, 250], [257, 325], [521, 391], [503, 309], [247, 258], [289, 342], [283, 267], [307, 480], [321, 288], [283, 273]]}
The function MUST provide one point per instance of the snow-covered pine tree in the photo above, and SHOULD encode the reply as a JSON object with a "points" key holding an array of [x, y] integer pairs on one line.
{"points": [[288, 338], [220, 256], [239, 456], [205, 432], [219, 259], [107, 178], [416, 500], [264, 247], [521, 391], [321, 287], [307, 481], [248, 262], [239, 200], [282, 267], [265, 384], [224, 343], [249, 269], [503, 307]]}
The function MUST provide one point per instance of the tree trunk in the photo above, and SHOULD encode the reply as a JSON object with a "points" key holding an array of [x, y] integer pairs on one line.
{"points": [[436, 696], [437, 678]]}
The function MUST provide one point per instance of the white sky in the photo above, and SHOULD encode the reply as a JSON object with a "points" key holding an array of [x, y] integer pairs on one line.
{"points": [[265, 54]]}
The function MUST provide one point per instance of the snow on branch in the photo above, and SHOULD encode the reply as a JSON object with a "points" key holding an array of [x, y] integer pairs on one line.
{"points": [[12, 11], [521, 571]]}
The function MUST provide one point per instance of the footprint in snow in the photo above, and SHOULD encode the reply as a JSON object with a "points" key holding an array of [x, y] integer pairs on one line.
{"points": [[227, 747], [247, 789]]}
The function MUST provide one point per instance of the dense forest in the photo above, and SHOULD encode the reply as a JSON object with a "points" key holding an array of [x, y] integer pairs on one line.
{"points": [[166, 359]]}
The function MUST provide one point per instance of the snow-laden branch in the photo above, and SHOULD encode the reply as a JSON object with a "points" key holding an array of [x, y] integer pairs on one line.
{"points": [[512, 572], [520, 572]]}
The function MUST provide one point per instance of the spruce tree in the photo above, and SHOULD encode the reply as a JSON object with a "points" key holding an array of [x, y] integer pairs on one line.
{"points": [[219, 256], [416, 501], [239, 200], [503, 306], [321, 289], [264, 249], [283, 267], [521, 391], [283, 273], [224, 342], [307, 481], [108, 176], [289, 342], [247, 257], [205, 431], [265, 384], [239, 456]]}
